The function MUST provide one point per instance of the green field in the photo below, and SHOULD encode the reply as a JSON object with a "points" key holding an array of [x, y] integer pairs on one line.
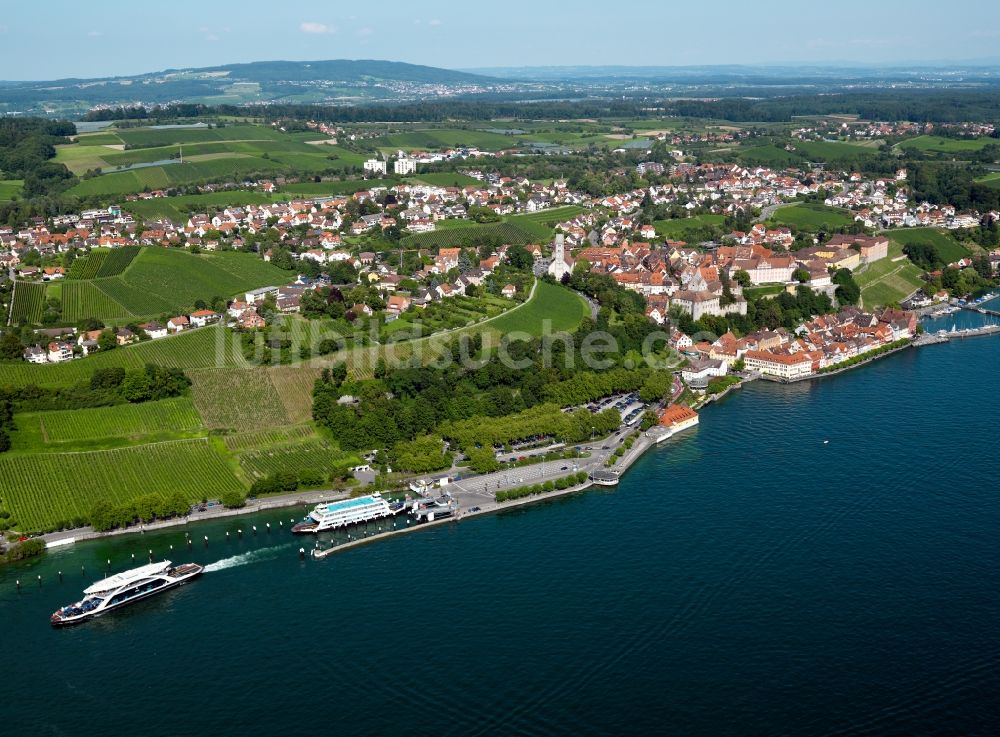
{"points": [[446, 179], [203, 348], [938, 144], [811, 217], [43, 490], [29, 302], [832, 152], [561, 307], [541, 224], [311, 454], [769, 290], [178, 209], [888, 282], [237, 399], [102, 426], [155, 281], [442, 138], [948, 249], [472, 235], [208, 154], [10, 188], [83, 299], [990, 180], [687, 229]]}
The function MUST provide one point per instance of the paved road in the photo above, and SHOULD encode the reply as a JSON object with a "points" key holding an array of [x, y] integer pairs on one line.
{"points": [[767, 212]]}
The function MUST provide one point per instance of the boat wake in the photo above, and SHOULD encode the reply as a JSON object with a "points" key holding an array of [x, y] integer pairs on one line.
{"points": [[243, 559]]}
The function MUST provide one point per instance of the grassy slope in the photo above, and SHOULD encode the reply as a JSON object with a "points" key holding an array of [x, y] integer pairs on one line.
{"points": [[937, 144], [161, 280], [811, 216], [888, 281], [681, 229], [203, 348], [947, 247], [553, 307]]}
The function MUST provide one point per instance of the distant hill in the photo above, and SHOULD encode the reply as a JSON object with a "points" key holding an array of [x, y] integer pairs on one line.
{"points": [[343, 81]]}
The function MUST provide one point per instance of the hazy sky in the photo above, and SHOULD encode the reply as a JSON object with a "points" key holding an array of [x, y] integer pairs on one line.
{"points": [[46, 40]]}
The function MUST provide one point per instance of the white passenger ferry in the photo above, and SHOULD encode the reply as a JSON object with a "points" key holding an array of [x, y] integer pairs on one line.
{"points": [[125, 588], [333, 515]]}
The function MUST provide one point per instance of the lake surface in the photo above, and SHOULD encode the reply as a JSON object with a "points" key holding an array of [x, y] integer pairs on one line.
{"points": [[746, 578]]}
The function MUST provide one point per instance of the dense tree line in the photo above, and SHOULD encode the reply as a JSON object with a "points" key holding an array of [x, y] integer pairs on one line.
{"points": [[947, 184], [931, 105], [26, 147], [107, 386]]}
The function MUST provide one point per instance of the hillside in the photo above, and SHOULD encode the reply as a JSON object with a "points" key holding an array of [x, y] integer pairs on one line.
{"points": [[132, 284], [261, 81]]}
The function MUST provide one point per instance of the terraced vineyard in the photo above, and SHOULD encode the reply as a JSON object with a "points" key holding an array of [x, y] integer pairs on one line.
{"points": [[312, 454], [127, 421], [45, 489], [203, 348], [240, 399], [29, 302]]}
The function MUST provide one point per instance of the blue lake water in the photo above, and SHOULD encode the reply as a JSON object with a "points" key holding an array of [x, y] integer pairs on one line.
{"points": [[746, 578]]}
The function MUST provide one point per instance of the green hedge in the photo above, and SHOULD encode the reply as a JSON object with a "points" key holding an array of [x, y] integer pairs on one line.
{"points": [[558, 485]]}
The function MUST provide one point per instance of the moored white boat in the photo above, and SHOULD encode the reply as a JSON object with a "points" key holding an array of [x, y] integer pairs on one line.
{"points": [[333, 515]]}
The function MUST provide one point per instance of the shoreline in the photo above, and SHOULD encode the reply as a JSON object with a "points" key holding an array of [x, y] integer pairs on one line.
{"points": [[642, 444]]}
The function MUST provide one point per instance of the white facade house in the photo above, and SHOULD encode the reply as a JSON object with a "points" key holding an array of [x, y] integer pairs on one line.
{"points": [[375, 166], [405, 165]]}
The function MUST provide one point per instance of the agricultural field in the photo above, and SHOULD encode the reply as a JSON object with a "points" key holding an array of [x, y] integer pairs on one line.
{"points": [[445, 179], [86, 267], [243, 441], [47, 490], [153, 158], [948, 249], [118, 260], [887, 282], [311, 454], [10, 188], [561, 307], [832, 151], [154, 281], [470, 236], [29, 302], [294, 385], [811, 217], [687, 229], [237, 399], [210, 347], [442, 138], [104, 426], [178, 209], [84, 299], [938, 144], [541, 224], [990, 180]]}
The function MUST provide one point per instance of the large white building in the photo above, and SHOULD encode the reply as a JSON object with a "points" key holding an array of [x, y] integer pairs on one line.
{"points": [[781, 365], [405, 165], [375, 166]]}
